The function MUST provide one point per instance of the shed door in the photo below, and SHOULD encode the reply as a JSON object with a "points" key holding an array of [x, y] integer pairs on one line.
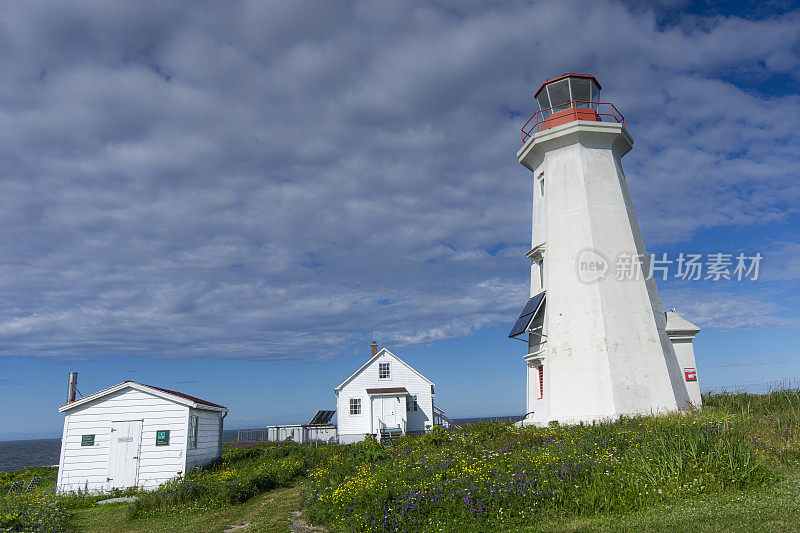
{"points": [[123, 466]]}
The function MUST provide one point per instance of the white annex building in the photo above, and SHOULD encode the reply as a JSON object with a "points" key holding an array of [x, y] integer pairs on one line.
{"points": [[135, 435], [598, 346], [385, 397]]}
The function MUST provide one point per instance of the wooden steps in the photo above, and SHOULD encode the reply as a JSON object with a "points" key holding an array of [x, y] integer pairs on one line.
{"points": [[391, 433]]}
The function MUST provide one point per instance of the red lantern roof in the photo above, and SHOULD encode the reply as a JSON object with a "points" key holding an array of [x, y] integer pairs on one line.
{"points": [[568, 75]]}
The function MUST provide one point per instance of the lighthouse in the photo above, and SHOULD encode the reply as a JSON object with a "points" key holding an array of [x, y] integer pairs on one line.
{"points": [[598, 342]]}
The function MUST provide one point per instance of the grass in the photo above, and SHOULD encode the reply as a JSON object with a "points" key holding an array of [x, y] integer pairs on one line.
{"points": [[734, 466], [775, 509], [494, 476], [240, 474], [46, 474], [736, 511], [497, 476], [38, 508], [205, 496], [268, 511]]}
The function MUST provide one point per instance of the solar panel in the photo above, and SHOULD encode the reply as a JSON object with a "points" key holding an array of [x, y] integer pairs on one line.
{"points": [[321, 418], [527, 315], [520, 326], [532, 304]]}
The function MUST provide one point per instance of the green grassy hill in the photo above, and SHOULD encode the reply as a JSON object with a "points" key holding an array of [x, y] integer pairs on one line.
{"points": [[735, 465]]}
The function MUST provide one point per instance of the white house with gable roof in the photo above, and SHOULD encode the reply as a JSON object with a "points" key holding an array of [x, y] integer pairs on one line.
{"points": [[135, 435], [385, 397]]}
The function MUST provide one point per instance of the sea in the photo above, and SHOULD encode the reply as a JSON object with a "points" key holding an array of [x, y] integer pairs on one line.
{"points": [[17, 454]]}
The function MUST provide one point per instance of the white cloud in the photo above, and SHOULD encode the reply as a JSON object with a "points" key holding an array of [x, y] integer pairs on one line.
{"points": [[285, 180], [729, 309]]}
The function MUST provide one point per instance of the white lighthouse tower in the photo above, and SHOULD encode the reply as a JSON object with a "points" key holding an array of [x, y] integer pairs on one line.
{"points": [[598, 342]]}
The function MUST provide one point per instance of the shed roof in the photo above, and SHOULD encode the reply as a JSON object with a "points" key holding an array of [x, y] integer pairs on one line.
{"points": [[195, 399], [179, 397]]}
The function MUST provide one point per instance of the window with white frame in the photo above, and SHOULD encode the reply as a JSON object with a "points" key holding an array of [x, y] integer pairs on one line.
{"points": [[193, 424], [411, 403], [383, 370], [540, 180], [355, 406]]}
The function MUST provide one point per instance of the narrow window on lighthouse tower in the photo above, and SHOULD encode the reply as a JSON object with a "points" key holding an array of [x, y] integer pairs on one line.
{"points": [[540, 268], [541, 185], [541, 381]]}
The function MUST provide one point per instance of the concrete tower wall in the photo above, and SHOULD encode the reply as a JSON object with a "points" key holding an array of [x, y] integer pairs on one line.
{"points": [[606, 350]]}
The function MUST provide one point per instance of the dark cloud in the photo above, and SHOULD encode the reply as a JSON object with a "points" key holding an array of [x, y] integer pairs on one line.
{"points": [[283, 180]]}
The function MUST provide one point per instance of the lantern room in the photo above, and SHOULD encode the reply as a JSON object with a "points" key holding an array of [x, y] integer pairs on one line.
{"points": [[568, 98], [561, 93], [557, 97]]}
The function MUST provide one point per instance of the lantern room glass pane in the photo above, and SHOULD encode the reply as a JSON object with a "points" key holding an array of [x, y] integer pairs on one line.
{"points": [[544, 103], [595, 94], [581, 91], [559, 94]]}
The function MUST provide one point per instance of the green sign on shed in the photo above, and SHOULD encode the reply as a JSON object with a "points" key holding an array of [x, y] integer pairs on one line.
{"points": [[162, 437]]}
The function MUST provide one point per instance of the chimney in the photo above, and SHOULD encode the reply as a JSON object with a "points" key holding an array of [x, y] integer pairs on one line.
{"points": [[72, 388], [373, 348]]}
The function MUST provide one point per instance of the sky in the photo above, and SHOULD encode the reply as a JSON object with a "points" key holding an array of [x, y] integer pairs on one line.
{"points": [[233, 199]]}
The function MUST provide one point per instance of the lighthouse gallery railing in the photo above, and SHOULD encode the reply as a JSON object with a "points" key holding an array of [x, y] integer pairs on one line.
{"points": [[569, 111]]}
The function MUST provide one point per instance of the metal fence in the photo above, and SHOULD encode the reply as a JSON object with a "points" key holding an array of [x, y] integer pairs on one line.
{"points": [[289, 433]]}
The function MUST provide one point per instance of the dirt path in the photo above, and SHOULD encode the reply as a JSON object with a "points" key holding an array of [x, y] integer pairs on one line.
{"points": [[276, 511], [299, 525]]}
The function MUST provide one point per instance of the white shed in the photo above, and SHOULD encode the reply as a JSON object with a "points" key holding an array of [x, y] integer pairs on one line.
{"points": [[384, 396], [136, 435]]}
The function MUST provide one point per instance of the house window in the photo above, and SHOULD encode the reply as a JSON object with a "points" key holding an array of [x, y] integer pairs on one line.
{"points": [[383, 370], [355, 406], [541, 381], [193, 423], [411, 403]]}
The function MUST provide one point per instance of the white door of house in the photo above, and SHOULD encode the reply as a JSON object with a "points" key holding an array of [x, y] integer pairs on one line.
{"points": [[388, 412], [123, 465]]}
